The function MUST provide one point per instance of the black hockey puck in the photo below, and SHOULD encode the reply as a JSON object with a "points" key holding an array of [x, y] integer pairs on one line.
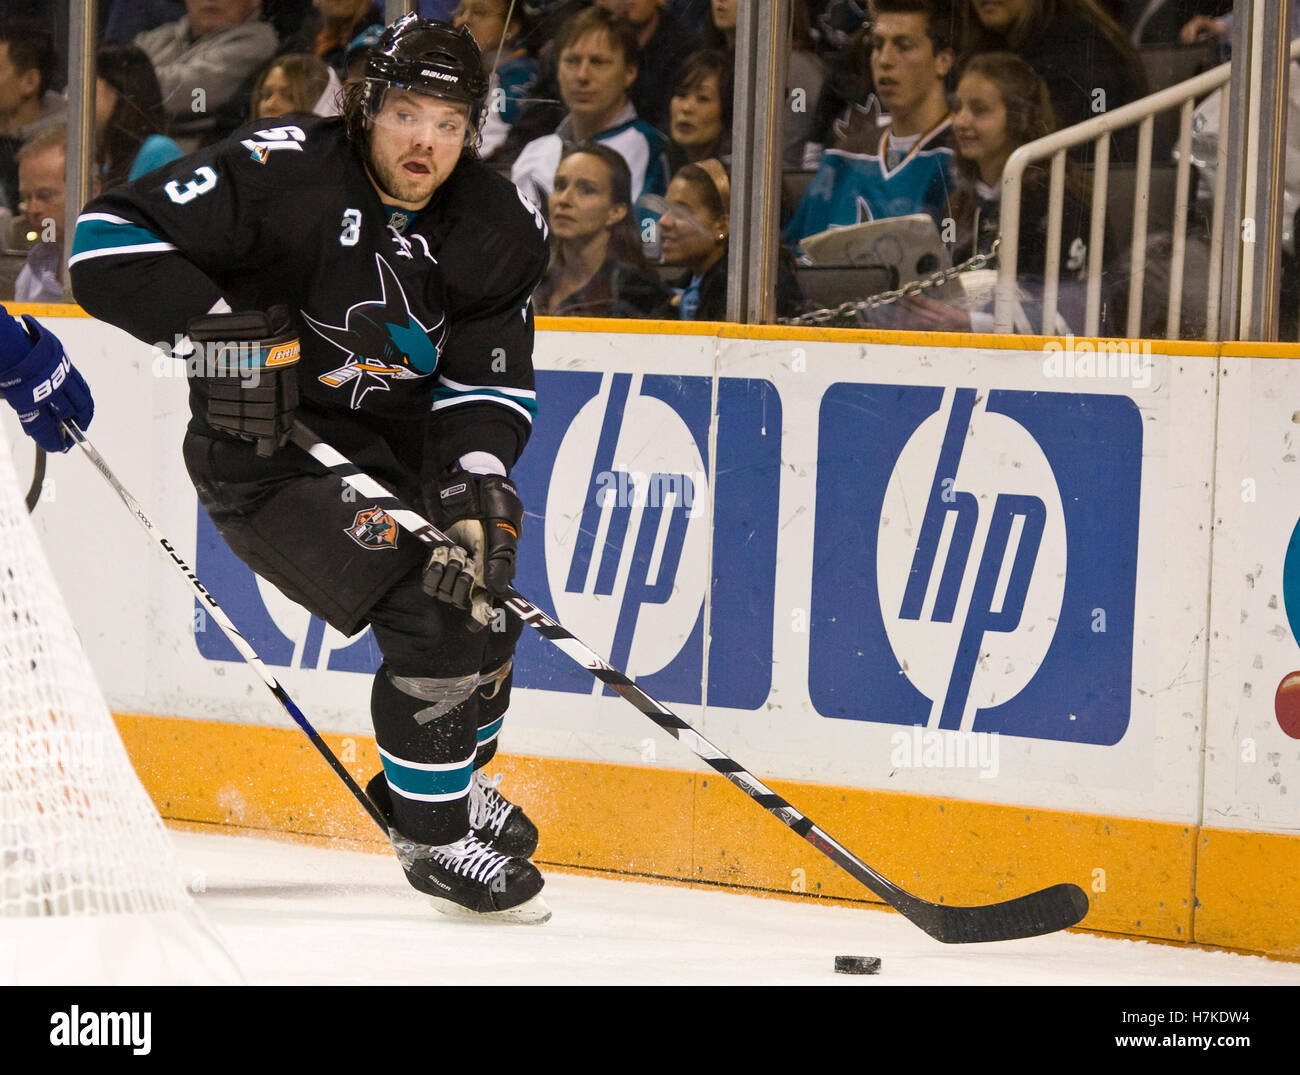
{"points": [[857, 964]]}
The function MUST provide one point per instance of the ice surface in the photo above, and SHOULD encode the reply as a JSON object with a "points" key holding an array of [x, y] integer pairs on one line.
{"points": [[296, 914]]}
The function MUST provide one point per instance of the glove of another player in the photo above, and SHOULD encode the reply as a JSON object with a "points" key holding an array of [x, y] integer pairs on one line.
{"points": [[483, 515], [250, 372], [40, 383]]}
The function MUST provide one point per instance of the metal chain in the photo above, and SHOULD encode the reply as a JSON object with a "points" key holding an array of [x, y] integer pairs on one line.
{"points": [[885, 298]]}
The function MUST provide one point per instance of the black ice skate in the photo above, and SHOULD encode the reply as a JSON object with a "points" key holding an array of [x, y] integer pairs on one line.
{"points": [[497, 821], [466, 878]]}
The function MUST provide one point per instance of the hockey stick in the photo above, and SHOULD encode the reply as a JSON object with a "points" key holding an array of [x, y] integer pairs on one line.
{"points": [[38, 480], [1045, 911], [232, 632]]}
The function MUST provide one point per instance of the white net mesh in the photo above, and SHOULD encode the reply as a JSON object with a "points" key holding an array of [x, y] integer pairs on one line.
{"points": [[79, 836]]}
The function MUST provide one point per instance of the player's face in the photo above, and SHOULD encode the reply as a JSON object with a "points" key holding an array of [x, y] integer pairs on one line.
{"points": [[42, 190], [724, 14], [581, 203], [999, 14], [903, 62], [594, 79], [276, 96], [980, 124], [415, 142], [687, 230], [695, 114], [486, 20]]}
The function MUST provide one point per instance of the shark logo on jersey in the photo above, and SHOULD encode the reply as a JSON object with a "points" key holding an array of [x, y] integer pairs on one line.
{"points": [[383, 340]]}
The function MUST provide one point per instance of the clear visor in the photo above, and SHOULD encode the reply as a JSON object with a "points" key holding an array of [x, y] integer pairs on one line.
{"points": [[676, 212], [420, 116]]}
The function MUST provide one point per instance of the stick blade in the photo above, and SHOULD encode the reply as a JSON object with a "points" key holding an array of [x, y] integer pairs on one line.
{"points": [[1045, 911]]}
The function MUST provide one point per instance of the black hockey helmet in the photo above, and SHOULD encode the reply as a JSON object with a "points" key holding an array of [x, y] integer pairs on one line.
{"points": [[429, 57]]}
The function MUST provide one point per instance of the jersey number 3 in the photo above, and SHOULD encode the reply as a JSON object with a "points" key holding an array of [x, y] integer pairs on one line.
{"points": [[204, 180]]}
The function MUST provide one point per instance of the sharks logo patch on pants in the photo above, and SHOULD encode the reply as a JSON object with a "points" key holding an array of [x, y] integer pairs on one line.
{"points": [[373, 528]]}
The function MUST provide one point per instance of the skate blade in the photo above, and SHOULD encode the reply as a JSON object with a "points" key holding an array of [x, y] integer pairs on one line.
{"points": [[532, 912]]}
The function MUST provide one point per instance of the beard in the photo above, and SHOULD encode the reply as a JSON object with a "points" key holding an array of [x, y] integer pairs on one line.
{"points": [[399, 184]]}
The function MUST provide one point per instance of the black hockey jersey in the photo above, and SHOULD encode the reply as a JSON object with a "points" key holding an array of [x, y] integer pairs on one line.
{"points": [[411, 324]]}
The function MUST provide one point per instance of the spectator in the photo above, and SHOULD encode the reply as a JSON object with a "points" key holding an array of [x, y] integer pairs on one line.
{"points": [[1081, 53], [204, 58], [332, 26], [804, 75], [511, 72], [129, 117], [27, 103], [1002, 104], [543, 113], [664, 43], [700, 110], [597, 66], [295, 82], [597, 268], [906, 167], [42, 166], [693, 229]]}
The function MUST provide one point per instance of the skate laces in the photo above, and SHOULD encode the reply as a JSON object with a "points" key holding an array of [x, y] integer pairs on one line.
{"points": [[488, 808], [470, 857]]}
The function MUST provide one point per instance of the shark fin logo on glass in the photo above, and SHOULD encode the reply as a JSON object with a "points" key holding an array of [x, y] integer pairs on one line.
{"points": [[975, 560], [617, 467]]}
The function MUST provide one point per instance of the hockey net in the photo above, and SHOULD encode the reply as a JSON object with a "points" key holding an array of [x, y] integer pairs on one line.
{"points": [[90, 889]]}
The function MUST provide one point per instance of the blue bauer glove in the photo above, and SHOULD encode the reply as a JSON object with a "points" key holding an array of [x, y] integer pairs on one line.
{"points": [[40, 383]]}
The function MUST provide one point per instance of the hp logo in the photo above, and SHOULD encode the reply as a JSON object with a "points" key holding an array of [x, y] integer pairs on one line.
{"points": [[636, 534], [975, 560]]}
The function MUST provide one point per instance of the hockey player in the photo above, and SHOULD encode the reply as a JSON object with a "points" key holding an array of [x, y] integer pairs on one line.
{"points": [[368, 275]]}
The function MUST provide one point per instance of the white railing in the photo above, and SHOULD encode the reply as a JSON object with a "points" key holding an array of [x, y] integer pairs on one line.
{"points": [[1098, 130]]}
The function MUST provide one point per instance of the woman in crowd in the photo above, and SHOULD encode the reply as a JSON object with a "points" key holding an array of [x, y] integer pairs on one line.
{"points": [[1001, 104], [699, 111], [512, 72], [597, 268], [693, 232], [295, 82], [1080, 52], [130, 121]]}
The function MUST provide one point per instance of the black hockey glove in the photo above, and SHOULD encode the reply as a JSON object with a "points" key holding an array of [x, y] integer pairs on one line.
{"points": [[249, 364], [483, 515]]}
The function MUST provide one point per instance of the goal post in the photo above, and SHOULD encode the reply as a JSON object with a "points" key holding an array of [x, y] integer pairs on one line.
{"points": [[90, 889]]}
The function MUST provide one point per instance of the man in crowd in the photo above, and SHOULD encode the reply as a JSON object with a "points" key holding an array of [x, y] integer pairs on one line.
{"points": [[42, 167], [597, 67], [875, 172]]}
